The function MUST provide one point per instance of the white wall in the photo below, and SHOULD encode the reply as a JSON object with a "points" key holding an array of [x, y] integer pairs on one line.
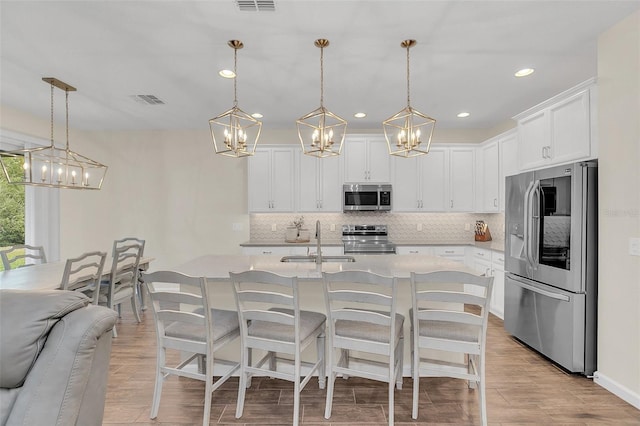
{"points": [[619, 207], [167, 187]]}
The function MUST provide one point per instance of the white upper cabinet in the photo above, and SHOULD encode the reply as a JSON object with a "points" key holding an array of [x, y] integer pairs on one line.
{"points": [[462, 179], [488, 173], [559, 130], [440, 181], [496, 158], [421, 183], [508, 143], [366, 159], [320, 184], [271, 180]]}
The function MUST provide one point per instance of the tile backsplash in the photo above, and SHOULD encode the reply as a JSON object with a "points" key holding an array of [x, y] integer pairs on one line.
{"points": [[405, 227]]}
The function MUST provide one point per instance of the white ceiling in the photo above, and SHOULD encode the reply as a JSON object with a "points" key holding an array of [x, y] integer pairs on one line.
{"points": [[465, 58]]}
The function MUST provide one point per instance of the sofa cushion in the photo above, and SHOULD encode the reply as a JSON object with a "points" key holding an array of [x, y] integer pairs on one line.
{"points": [[26, 317]]}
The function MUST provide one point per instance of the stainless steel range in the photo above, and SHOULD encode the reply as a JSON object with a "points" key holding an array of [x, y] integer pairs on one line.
{"points": [[367, 239]]}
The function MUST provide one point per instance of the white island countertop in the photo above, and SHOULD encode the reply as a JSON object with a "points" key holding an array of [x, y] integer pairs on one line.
{"points": [[219, 266]]}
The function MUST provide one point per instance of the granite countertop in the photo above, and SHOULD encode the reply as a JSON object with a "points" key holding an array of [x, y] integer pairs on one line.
{"points": [[489, 245]]}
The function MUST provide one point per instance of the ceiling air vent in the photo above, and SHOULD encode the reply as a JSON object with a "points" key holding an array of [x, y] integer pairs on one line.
{"points": [[147, 99], [256, 5]]}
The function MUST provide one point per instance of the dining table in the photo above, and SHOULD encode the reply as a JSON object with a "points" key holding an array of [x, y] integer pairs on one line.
{"points": [[47, 276]]}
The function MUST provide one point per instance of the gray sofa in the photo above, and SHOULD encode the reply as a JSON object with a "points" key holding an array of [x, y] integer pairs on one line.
{"points": [[54, 358]]}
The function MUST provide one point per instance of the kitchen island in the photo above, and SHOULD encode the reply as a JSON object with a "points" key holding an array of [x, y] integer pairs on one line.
{"points": [[217, 267]]}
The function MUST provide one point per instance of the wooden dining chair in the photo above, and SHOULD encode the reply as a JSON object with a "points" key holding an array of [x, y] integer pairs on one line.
{"points": [[83, 273], [271, 320], [362, 317], [450, 311], [122, 282], [32, 254], [186, 323], [123, 242]]}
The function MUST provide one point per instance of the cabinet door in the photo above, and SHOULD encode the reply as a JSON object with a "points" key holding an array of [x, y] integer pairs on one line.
{"points": [[508, 162], [533, 137], [497, 297], [406, 184], [434, 172], [490, 178], [379, 161], [282, 172], [259, 181], [308, 181], [355, 155], [570, 129], [330, 184], [462, 179]]}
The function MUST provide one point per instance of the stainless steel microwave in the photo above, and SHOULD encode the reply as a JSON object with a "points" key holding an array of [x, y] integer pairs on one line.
{"points": [[366, 197]]}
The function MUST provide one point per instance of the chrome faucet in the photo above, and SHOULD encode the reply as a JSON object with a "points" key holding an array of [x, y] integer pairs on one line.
{"points": [[318, 243]]}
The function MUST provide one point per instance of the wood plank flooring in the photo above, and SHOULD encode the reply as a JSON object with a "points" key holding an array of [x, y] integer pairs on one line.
{"points": [[522, 388]]}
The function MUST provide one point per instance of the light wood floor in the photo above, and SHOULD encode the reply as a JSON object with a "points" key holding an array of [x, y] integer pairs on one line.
{"points": [[522, 388]]}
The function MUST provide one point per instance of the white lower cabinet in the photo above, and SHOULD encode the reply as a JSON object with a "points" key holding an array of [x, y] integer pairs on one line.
{"points": [[491, 263], [497, 298], [274, 250], [414, 250], [292, 250], [455, 253]]}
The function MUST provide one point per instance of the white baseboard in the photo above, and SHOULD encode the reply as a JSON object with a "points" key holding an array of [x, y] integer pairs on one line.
{"points": [[617, 389]]}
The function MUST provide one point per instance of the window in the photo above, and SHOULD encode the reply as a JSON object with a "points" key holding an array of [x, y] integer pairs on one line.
{"points": [[41, 224]]}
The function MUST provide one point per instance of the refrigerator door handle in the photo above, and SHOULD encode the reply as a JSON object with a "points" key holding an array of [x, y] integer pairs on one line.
{"points": [[535, 289], [534, 239], [527, 222]]}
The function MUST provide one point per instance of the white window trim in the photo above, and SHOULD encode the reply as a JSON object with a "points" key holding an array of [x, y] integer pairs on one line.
{"points": [[42, 205]]}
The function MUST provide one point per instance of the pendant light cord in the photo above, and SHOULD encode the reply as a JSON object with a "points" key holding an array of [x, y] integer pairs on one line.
{"points": [[52, 115], [321, 77], [235, 79], [408, 95], [66, 92]]}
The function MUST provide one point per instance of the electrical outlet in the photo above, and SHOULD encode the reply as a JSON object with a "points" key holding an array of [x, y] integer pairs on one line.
{"points": [[237, 227], [274, 227], [634, 246], [333, 226], [467, 227], [419, 227]]}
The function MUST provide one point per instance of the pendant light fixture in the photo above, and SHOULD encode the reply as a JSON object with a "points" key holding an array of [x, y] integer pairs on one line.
{"points": [[235, 133], [408, 132], [55, 167], [321, 132]]}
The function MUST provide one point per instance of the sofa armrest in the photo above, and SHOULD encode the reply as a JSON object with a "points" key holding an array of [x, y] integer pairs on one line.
{"points": [[68, 382]]}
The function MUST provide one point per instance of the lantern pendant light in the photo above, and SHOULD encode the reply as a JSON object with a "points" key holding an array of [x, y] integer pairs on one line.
{"points": [[52, 167], [321, 132], [234, 132], [408, 132]]}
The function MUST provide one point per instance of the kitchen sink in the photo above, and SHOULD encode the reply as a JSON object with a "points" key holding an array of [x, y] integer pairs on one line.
{"points": [[312, 259]]}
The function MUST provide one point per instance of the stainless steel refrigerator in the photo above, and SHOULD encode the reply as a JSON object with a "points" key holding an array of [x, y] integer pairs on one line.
{"points": [[551, 231]]}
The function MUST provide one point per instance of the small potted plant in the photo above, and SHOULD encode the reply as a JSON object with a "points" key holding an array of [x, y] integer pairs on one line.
{"points": [[295, 231]]}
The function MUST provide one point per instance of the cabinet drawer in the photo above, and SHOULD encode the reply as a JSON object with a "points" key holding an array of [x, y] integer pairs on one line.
{"points": [[414, 250], [446, 251], [497, 259], [479, 253]]}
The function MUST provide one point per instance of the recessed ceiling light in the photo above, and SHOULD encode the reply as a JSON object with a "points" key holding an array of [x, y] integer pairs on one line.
{"points": [[360, 115], [463, 115], [227, 74], [256, 115], [524, 72]]}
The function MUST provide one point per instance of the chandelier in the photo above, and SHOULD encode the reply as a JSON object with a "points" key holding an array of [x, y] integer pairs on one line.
{"points": [[408, 132], [321, 132], [235, 133], [51, 166]]}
